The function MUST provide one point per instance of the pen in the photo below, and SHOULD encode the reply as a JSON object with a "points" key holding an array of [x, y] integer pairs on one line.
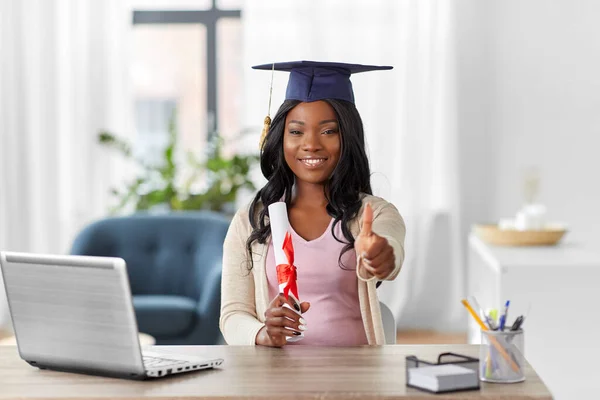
{"points": [[490, 318], [493, 340], [520, 319], [504, 316], [517, 324]]}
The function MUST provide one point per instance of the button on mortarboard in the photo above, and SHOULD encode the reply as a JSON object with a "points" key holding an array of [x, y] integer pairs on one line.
{"points": [[314, 80]]}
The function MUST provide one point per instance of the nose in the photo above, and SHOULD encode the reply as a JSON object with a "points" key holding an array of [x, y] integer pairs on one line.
{"points": [[311, 142]]}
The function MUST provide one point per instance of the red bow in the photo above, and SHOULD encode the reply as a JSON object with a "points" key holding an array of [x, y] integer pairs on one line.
{"points": [[287, 272]]}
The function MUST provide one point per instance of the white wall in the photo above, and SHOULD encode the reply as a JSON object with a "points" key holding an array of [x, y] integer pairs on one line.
{"points": [[473, 98], [530, 96], [546, 105]]}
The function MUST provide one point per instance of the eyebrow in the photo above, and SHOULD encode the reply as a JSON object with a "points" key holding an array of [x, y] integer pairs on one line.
{"points": [[327, 121], [320, 123]]}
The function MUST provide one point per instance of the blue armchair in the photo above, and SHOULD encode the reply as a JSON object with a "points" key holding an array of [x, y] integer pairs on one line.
{"points": [[174, 266]]}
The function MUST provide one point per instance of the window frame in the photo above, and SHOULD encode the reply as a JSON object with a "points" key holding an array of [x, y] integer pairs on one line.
{"points": [[209, 18]]}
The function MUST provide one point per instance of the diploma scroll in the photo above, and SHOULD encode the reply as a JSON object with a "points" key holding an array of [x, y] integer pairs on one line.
{"points": [[284, 257]]}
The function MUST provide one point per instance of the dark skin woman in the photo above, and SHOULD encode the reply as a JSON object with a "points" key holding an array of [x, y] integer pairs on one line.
{"points": [[318, 148]]}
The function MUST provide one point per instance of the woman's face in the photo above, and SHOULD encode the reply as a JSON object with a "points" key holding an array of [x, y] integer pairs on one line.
{"points": [[312, 141]]}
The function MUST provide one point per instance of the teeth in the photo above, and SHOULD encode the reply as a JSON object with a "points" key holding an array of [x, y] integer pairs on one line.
{"points": [[313, 161]]}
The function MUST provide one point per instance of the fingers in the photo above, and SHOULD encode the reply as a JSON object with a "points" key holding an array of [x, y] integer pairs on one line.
{"points": [[276, 325], [278, 331], [374, 247], [382, 265], [278, 301], [363, 272], [282, 322], [278, 338], [283, 312], [281, 317], [292, 302], [304, 306], [273, 340], [381, 259], [378, 257], [281, 299], [367, 220]]}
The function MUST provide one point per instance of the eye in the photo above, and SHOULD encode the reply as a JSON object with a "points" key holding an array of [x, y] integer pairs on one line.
{"points": [[330, 132], [293, 132]]}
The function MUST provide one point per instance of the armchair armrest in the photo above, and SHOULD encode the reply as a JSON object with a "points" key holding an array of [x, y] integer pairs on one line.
{"points": [[209, 303]]}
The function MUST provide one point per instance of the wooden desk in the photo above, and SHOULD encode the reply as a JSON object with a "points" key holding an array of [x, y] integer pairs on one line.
{"points": [[262, 373]]}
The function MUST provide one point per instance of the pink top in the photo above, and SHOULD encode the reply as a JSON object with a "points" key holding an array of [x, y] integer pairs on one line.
{"points": [[334, 317]]}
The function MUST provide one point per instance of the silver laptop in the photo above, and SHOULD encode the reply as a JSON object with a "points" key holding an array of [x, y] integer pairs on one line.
{"points": [[75, 314]]}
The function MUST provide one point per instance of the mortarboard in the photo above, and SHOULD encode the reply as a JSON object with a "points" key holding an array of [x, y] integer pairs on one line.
{"points": [[315, 80]]}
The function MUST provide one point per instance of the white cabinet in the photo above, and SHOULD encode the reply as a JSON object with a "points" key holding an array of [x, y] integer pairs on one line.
{"points": [[562, 331]]}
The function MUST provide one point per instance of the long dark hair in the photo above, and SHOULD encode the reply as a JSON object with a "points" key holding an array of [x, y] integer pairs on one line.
{"points": [[349, 179]]}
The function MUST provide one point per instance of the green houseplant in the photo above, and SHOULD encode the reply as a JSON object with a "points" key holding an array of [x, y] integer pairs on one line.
{"points": [[159, 185]]}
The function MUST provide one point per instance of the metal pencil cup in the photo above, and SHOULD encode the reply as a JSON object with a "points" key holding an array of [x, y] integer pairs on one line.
{"points": [[501, 358]]}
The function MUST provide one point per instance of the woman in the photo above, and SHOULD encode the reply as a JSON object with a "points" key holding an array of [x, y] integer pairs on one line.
{"points": [[314, 159]]}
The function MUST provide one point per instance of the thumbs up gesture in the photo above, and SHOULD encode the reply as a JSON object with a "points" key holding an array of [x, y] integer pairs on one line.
{"points": [[376, 254]]}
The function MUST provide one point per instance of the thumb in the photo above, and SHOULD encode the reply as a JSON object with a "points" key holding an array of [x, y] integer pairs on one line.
{"points": [[367, 220], [304, 306]]}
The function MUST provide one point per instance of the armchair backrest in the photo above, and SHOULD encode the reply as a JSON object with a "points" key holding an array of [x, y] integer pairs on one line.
{"points": [[170, 254]]}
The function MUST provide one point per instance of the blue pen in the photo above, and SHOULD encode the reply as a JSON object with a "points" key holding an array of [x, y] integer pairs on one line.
{"points": [[504, 316]]}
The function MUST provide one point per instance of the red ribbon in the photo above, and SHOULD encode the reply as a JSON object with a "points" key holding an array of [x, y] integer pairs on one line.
{"points": [[287, 272]]}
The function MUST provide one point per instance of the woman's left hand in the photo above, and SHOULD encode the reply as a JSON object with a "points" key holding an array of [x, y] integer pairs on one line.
{"points": [[375, 251]]}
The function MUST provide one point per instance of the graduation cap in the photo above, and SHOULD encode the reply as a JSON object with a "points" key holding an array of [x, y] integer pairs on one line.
{"points": [[315, 80]]}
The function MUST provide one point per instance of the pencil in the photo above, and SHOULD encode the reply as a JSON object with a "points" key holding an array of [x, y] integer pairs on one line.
{"points": [[474, 314], [493, 340]]}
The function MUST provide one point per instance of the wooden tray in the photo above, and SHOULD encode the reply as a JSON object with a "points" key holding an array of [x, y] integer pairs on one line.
{"points": [[491, 234]]}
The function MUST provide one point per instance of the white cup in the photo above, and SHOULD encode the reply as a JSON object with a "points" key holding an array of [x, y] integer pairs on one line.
{"points": [[531, 217]]}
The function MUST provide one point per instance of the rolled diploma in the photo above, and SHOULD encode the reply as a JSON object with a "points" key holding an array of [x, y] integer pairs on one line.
{"points": [[280, 224]]}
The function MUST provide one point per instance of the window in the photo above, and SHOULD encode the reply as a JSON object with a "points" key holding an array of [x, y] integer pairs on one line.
{"points": [[186, 56]]}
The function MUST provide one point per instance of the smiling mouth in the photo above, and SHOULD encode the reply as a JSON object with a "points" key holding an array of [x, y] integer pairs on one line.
{"points": [[313, 162]]}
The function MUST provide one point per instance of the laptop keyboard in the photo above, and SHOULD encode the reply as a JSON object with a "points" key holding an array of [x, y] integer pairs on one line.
{"points": [[158, 362]]}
